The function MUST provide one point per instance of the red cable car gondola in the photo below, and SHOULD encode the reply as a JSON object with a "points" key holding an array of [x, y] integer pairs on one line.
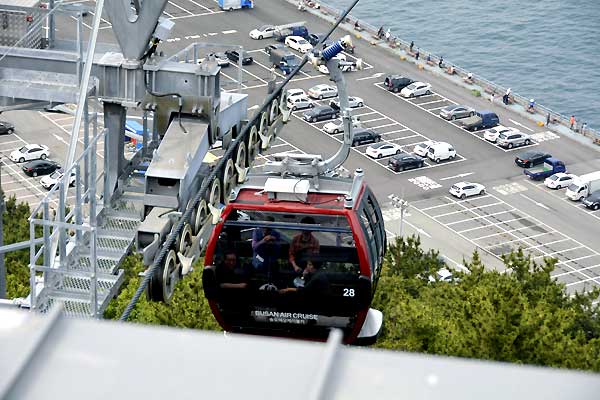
{"points": [[297, 252], [292, 260]]}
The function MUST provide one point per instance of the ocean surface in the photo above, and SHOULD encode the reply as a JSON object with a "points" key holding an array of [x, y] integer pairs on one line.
{"points": [[548, 50]]}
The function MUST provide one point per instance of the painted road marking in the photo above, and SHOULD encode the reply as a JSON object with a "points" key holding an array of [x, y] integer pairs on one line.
{"points": [[425, 183], [521, 125], [510, 188], [457, 176], [374, 76], [535, 202]]}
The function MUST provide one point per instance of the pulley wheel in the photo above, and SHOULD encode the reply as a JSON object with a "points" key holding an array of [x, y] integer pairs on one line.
{"points": [[200, 216], [169, 276], [252, 143], [228, 180], [240, 158], [214, 195]]}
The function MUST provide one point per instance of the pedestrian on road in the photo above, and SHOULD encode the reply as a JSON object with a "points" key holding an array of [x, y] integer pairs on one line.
{"points": [[505, 99], [417, 54], [412, 44], [508, 92], [380, 33], [548, 119], [531, 105], [387, 35], [441, 62], [493, 97], [583, 126], [572, 121]]}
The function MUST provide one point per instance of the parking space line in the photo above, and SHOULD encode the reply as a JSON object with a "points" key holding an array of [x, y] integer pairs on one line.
{"points": [[431, 102], [517, 240], [376, 119], [496, 224], [575, 259], [487, 215], [546, 244], [249, 73], [559, 251], [367, 113], [383, 126], [181, 8], [200, 5], [473, 208], [581, 269]]}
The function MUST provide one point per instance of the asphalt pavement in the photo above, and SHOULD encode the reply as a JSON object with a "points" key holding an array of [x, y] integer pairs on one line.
{"points": [[515, 212]]}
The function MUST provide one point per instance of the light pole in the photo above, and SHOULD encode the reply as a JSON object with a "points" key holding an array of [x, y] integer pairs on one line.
{"points": [[402, 204]]}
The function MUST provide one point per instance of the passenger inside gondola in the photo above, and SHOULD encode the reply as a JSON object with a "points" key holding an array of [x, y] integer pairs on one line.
{"points": [[266, 243], [304, 245], [313, 282], [272, 250], [229, 274]]}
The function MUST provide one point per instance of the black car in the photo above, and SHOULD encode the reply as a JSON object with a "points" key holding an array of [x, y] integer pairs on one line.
{"points": [[273, 46], [363, 136], [402, 161], [234, 56], [6, 128], [395, 83], [321, 113], [40, 167], [593, 200], [530, 158], [313, 38], [280, 36]]}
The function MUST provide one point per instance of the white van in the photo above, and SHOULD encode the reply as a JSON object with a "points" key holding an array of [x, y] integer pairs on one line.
{"points": [[583, 186], [441, 151]]}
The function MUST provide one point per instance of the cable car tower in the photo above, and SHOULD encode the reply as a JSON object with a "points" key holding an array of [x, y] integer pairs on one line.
{"points": [[164, 202]]}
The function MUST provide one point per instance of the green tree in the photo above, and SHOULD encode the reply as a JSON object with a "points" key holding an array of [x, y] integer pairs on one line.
{"points": [[521, 316]]}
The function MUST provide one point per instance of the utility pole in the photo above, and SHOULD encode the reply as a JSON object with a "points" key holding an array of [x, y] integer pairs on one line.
{"points": [[2, 266], [402, 204]]}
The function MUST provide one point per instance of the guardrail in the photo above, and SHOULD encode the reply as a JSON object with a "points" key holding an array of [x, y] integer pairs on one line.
{"points": [[403, 48]]}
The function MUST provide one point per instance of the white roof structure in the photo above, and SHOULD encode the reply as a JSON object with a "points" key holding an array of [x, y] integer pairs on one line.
{"points": [[53, 357]]}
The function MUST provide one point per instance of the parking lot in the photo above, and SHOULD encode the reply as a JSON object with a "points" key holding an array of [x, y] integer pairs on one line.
{"points": [[173, 10], [259, 72], [391, 130], [494, 226], [434, 102]]}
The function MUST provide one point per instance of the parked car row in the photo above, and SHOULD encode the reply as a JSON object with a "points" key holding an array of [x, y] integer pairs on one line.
{"points": [[541, 166]]}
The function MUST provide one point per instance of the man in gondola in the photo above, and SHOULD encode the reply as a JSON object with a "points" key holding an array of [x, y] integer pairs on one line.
{"points": [[229, 274], [315, 281], [265, 247], [303, 245]]}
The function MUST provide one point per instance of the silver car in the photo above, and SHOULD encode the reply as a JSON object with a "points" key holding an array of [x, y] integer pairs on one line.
{"points": [[456, 111], [513, 139]]}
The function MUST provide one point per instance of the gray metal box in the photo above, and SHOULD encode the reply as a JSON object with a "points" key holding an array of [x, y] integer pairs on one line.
{"points": [[21, 19]]}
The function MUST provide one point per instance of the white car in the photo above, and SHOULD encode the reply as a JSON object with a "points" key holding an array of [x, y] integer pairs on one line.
{"points": [[336, 125], [416, 89], [422, 149], [30, 152], [265, 31], [353, 102], [559, 180], [300, 103], [322, 91], [298, 43], [295, 93], [54, 178], [462, 190], [383, 149], [491, 135], [324, 70]]}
